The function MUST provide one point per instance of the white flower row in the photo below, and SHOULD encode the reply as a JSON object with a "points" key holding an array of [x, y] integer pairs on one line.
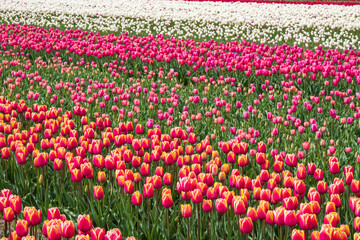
{"points": [[333, 26]]}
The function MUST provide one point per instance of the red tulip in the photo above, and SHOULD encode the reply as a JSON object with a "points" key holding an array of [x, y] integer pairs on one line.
{"points": [[290, 203], [207, 205], [22, 228], [246, 225], [32, 216], [15, 204], [239, 206], [67, 229], [101, 176], [97, 234], [14, 236], [221, 205], [84, 223], [196, 196], [8, 214], [129, 187], [98, 192], [166, 200], [5, 153], [148, 190], [54, 232], [308, 221], [186, 210], [136, 198], [53, 213], [261, 147], [298, 235], [290, 218], [322, 187], [113, 234], [270, 219], [76, 175]]}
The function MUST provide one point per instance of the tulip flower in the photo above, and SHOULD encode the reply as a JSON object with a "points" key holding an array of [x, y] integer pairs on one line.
{"points": [[53, 213], [298, 235], [98, 192], [84, 223], [246, 225], [54, 232], [22, 228], [67, 229], [97, 233]]}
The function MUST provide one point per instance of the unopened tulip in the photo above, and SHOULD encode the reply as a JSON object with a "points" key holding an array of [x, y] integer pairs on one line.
{"points": [[22, 228], [67, 229], [98, 192], [245, 225], [186, 210], [298, 235]]}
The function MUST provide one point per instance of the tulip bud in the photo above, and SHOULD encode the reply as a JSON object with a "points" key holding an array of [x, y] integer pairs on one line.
{"points": [[84, 223], [97, 234], [54, 232], [98, 192], [67, 229], [298, 235], [186, 210], [245, 225], [136, 198], [22, 228], [53, 213], [8, 214]]}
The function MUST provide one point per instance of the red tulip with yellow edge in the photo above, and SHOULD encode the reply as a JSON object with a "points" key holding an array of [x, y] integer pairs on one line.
{"points": [[148, 190], [22, 228], [54, 232], [67, 229], [84, 223], [76, 175], [14, 236], [82, 237], [245, 225], [290, 218], [261, 147], [15, 204], [97, 234], [113, 234], [298, 235], [207, 205], [28, 238], [32, 216], [166, 200], [98, 192], [333, 219], [129, 187], [53, 213]]}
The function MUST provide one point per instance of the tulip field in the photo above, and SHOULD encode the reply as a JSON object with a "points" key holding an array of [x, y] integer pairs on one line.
{"points": [[184, 120]]}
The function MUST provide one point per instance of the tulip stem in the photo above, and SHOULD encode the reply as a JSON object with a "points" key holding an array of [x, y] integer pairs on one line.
{"points": [[111, 180], [138, 221], [188, 228], [148, 211], [5, 170], [167, 222], [223, 226], [209, 224], [198, 215], [23, 178], [5, 230]]}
